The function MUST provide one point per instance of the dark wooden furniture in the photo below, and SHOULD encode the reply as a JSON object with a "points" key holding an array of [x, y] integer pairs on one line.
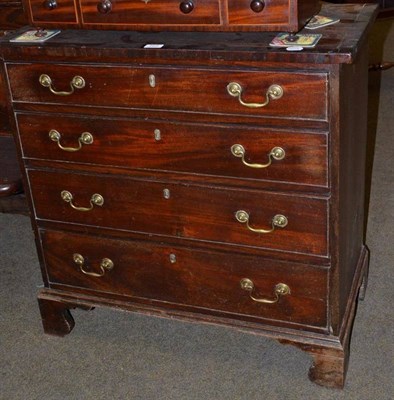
{"points": [[386, 7], [381, 66], [12, 14], [10, 175], [11, 17], [214, 180], [10, 180], [206, 15]]}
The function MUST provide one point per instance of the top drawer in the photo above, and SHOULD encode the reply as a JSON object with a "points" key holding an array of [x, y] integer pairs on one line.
{"points": [[297, 95], [53, 12], [167, 12]]}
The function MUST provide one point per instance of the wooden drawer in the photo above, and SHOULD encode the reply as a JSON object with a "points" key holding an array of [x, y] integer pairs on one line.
{"points": [[167, 12], [183, 211], [240, 12], [53, 11], [151, 272], [178, 147], [191, 90], [285, 15]]}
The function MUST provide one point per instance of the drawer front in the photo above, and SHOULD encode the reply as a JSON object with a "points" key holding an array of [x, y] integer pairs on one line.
{"points": [[188, 277], [178, 147], [178, 89], [184, 211], [244, 12], [167, 12], [53, 11]]}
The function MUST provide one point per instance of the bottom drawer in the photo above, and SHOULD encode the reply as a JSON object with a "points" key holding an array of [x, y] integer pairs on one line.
{"points": [[189, 277]]}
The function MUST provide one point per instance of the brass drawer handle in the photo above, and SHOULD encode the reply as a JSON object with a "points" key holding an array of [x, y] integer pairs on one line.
{"points": [[105, 265], [276, 153], [95, 200], [85, 138], [76, 83], [274, 92], [279, 221], [281, 289]]}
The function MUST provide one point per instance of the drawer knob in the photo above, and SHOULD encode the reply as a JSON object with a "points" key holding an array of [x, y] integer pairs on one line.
{"points": [[276, 153], [95, 200], [257, 6], [76, 83], [50, 4], [186, 6], [274, 92], [281, 289], [85, 138], [278, 221], [104, 7], [105, 265]]}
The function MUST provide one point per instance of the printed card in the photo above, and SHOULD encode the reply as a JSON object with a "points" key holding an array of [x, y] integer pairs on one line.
{"points": [[300, 39], [35, 35], [319, 21]]}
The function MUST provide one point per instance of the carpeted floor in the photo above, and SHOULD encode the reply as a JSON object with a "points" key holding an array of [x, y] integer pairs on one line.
{"points": [[114, 355]]}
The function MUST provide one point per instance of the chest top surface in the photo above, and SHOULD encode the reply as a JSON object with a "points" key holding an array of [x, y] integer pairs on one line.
{"points": [[339, 44]]}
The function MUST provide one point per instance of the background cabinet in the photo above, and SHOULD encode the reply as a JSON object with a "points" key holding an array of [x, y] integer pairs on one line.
{"points": [[12, 16]]}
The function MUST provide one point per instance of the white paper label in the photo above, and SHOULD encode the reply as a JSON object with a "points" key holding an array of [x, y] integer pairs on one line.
{"points": [[153, 46]]}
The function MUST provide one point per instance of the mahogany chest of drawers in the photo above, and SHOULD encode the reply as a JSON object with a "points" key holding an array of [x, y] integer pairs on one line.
{"points": [[214, 179], [208, 15]]}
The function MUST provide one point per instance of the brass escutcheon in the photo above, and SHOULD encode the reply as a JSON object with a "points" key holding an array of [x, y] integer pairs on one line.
{"points": [[166, 193], [152, 80], [157, 134]]}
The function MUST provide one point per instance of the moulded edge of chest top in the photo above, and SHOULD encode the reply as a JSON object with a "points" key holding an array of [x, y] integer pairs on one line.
{"points": [[188, 48]]}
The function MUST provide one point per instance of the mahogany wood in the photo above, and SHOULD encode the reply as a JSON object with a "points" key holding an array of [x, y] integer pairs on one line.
{"points": [[141, 206], [188, 277], [191, 90], [52, 14], [56, 317], [330, 354], [185, 15], [155, 207], [12, 15], [179, 147], [124, 13], [241, 49]]}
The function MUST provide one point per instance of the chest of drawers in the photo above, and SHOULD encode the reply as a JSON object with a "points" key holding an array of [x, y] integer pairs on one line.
{"points": [[205, 15], [214, 180]]}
